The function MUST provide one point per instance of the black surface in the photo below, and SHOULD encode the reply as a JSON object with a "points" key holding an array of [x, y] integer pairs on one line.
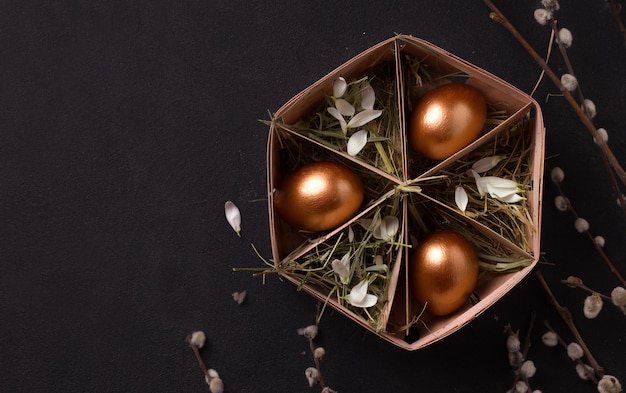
{"points": [[126, 125]]}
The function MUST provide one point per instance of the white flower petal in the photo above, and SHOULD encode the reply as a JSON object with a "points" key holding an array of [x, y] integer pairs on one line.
{"points": [[342, 268], [337, 115], [359, 297], [501, 183], [364, 117], [233, 216], [500, 188], [461, 199], [487, 163], [368, 97], [344, 107], [514, 198], [389, 226], [358, 292], [350, 234], [366, 223], [357, 142], [368, 301], [481, 184], [339, 87]]}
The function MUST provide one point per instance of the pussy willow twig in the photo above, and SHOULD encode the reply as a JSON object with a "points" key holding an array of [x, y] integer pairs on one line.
{"points": [[569, 321], [499, 17]]}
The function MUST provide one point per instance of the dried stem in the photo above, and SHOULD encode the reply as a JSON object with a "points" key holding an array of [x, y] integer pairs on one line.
{"points": [[317, 362], [201, 364], [616, 10], [575, 282], [499, 17], [569, 321]]}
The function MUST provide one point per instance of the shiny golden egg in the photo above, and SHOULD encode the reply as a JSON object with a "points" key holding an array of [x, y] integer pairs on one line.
{"points": [[443, 272], [319, 196], [447, 119]]}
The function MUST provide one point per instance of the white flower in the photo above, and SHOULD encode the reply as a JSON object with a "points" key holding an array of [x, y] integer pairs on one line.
{"points": [[460, 198], [521, 387], [216, 385], [551, 4], [233, 216], [350, 234], [337, 115], [589, 107], [581, 225], [592, 306], [312, 375], [364, 117], [319, 353], [584, 370], [357, 142], [344, 107], [515, 358], [487, 163], [345, 111], [387, 228], [550, 339], [309, 331], [599, 240], [569, 82], [565, 37], [512, 343], [240, 297], [561, 203], [618, 296], [358, 296], [197, 339], [574, 351], [557, 175], [603, 135], [341, 267], [339, 87], [528, 369], [542, 16], [504, 190], [368, 96], [609, 384]]}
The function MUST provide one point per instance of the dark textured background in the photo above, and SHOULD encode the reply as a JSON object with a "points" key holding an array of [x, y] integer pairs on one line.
{"points": [[126, 125]]}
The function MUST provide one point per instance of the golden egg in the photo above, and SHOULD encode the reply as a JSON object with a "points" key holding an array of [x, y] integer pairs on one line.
{"points": [[447, 119], [443, 272], [319, 196]]}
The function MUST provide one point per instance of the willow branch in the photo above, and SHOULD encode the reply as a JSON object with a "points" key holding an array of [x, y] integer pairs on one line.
{"points": [[569, 321], [499, 17]]}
